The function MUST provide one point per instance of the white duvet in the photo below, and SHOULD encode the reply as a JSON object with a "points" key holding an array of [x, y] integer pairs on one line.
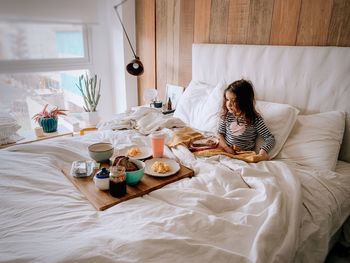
{"points": [[228, 212]]}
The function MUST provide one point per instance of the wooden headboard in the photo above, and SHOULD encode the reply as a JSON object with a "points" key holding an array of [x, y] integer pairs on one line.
{"points": [[313, 79]]}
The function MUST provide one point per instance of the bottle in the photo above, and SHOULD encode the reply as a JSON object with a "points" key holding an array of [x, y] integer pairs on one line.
{"points": [[170, 104]]}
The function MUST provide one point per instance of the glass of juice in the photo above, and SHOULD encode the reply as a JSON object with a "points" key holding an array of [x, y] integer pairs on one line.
{"points": [[157, 141]]}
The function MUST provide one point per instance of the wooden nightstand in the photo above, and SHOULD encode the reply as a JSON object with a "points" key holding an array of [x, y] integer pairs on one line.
{"points": [[29, 136]]}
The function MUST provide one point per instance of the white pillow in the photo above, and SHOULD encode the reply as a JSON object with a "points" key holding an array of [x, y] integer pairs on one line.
{"points": [[200, 105], [279, 119], [8, 126], [315, 140]]}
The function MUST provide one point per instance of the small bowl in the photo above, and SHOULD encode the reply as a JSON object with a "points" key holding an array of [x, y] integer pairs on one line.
{"points": [[101, 152], [134, 177], [101, 183]]}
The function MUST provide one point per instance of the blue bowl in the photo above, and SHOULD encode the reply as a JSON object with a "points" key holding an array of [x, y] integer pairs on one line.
{"points": [[134, 177]]}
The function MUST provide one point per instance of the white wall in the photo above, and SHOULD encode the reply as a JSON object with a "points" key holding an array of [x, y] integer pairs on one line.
{"points": [[111, 53]]}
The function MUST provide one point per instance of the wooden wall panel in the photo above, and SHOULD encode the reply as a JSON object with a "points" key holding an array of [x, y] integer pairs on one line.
{"points": [[202, 21], [172, 40], [186, 40], [218, 21], [161, 43], [314, 22], [146, 49], [285, 22], [260, 18], [339, 28], [168, 28], [238, 21], [173, 25]]}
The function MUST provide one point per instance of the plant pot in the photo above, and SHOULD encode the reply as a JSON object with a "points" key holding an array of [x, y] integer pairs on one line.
{"points": [[48, 124], [91, 118]]}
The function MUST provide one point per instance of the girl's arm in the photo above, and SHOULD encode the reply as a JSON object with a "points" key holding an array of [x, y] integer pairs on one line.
{"points": [[222, 144], [222, 132], [269, 139]]}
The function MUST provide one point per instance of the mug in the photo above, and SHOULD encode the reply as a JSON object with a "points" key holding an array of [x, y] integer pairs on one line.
{"points": [[156, 104], [39, 132]]}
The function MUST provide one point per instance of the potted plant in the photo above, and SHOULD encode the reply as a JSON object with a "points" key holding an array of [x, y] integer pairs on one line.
{"points": [[91, 95], [47, 119]]}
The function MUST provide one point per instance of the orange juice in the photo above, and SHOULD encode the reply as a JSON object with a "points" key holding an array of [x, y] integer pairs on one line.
{"points": [[157, 144]]}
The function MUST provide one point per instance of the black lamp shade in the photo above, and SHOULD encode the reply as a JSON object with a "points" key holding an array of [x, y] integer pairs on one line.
{"points": [[135, 67]]}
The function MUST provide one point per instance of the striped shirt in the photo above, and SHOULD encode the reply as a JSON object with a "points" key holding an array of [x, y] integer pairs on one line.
{"points": [[244, 136]]}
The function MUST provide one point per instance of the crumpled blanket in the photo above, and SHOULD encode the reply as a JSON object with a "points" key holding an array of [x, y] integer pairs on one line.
{"points": [[185, 135], [144, 119]]}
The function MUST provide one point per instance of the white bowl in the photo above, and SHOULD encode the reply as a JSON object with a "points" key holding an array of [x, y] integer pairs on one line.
{"points": [[101, 183], [101, 151]]}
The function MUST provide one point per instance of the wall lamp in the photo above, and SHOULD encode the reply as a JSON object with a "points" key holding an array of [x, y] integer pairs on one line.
{"points": [[135, 67]]}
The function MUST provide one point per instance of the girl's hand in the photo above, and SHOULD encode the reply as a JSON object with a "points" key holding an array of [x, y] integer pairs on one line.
{"points": [[229, 150], [264, 154], [224, 146]]}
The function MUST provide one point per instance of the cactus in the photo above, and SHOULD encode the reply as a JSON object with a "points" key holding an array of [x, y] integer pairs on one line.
{"points": [[87, 86]]}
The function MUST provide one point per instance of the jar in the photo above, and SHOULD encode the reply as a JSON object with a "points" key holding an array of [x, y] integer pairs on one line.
{"points": [[117, 181], [101, 179]]}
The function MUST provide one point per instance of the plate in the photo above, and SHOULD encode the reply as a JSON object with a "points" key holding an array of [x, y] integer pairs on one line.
{"points": [[82, 169], [206, 143], [174, 167], [145, 152]]}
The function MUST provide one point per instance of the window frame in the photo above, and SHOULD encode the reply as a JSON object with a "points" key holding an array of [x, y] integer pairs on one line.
{"points": [[57, 64]]}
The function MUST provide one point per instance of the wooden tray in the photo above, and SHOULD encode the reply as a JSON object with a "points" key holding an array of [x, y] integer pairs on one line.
{"points": [[102, 200]]}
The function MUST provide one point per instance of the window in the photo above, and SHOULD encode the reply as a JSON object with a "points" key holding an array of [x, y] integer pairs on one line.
{"points": [[40, 63], [23, 41]]}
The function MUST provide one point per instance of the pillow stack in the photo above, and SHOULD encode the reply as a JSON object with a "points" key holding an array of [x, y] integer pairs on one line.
{"points": [[8, 129]]}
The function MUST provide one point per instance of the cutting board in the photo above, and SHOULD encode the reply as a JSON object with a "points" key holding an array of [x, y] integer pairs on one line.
{"points": [[102, 200]]}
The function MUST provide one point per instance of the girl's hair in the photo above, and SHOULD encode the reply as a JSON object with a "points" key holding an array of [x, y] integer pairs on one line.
{"points": [[245, 101]]}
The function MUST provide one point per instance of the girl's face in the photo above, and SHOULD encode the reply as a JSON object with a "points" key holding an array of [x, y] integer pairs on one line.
{"points": [[231, 104]]}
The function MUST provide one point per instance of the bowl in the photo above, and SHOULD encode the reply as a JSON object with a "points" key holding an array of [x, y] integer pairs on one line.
{"points": [[134, 177], [101, 152]]}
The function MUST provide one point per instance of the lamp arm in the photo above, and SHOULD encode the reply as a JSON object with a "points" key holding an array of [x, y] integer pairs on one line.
{"points": [[127, 37]]}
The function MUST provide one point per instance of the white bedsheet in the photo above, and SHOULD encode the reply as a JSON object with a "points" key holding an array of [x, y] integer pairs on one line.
{"points": [[326, 206], [229, 212]]}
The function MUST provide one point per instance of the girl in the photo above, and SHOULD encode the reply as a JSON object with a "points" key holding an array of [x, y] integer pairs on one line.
{"points": [[240, 123]]}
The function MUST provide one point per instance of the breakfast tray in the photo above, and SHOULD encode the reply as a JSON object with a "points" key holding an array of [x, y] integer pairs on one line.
{"points": [[102, 200]]}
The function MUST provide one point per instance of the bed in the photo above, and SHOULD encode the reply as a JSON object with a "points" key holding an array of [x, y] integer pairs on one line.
{"points": [[288, 209]]}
